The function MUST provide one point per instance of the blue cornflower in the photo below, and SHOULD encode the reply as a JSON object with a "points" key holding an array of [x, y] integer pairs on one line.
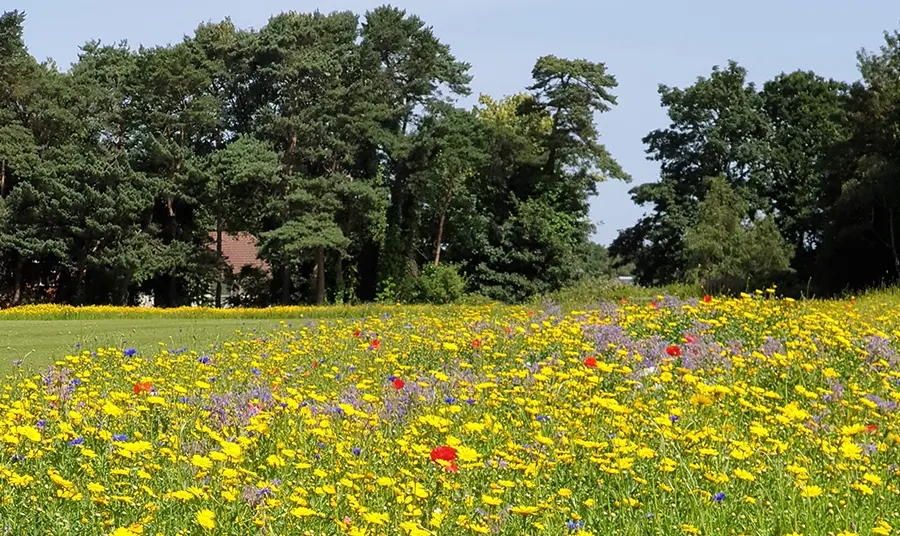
{"points": [[41, 423], [719, 497], [674, 418], [357, 451], [204, 359], [119, 437], [76, 441], [129, 352], [255, 371], [470, 401], [450, 400]]}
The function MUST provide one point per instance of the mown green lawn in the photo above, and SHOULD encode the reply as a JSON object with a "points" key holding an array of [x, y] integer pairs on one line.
{"points": [[38, 343]]}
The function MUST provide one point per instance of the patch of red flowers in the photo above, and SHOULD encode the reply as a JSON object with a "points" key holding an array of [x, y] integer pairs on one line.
{"points": [[445, 454], [871, 428], [673, 351], [376, 344], [590, 362], [707, 298], [399, 384], [653, 305], [476, 343], [356, 333], [142, 387]]}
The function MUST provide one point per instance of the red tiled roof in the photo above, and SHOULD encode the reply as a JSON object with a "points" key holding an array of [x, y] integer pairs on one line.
{"points": [[239, 250]]}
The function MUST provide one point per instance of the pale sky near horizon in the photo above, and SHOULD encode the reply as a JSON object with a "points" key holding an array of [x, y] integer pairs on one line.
{"points": [[643, 44]]}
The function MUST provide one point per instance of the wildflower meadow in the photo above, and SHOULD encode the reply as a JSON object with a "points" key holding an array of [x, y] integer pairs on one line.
{"points": [[753, 415]]}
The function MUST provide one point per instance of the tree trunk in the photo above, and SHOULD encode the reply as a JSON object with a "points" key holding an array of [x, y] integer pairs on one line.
{"points": [[17, 279], [440, 236], [219, 258], [80, 279], [894, 242], [2, 179], [339, 279], [320, 276], [285, 286]]}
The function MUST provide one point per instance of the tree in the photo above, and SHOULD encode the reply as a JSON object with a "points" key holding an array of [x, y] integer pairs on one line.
{"points": [[728, 251], [861, 245], [241, 174], [718, 128], [410, 70], [546, 160], [809, 119]]}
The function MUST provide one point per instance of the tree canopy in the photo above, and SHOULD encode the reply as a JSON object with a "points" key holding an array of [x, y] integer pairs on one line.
{"points": [[337, 140]]}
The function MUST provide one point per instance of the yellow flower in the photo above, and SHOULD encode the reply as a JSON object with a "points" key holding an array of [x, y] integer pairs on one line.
{"points": [[744, 475], [112, 410], [491, 501], [810, 492], [882, 528], [201, 462], [376, 518], [524, 510], [206, 519], [851, 451], [302, 512]]}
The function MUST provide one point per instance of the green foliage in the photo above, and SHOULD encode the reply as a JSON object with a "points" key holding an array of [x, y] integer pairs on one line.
{"points": [[727, 251], [438, 284]]}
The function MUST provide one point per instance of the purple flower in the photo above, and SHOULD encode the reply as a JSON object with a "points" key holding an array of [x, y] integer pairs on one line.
{"points": [[719, 497], [76, 441], [120, 437], [357, 451], [204, 359], [129, 352], [674, 418], [41, 423], [450, 400]]}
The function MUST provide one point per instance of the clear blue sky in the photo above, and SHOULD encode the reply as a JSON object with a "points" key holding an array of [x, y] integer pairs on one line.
{"points": [[642, 43]]}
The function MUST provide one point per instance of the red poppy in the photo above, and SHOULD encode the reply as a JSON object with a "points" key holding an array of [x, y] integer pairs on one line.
{"points": [[398, 384], [690, 338], [476, 343], [590, 362], [871, 428], [142, 387], [452, 467], [315, 364], [376, 344], [653, 305], [707, 298], [673, 351], [356, 333], [624, 300], [444, 453]]}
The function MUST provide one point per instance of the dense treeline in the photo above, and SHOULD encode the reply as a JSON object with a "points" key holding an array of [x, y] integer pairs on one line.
{"points": [[797, 182], [338, 141], [334, 139]]}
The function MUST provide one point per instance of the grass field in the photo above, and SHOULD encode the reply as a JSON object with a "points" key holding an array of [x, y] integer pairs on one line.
{"points": [[38, 343], [745, 416]]}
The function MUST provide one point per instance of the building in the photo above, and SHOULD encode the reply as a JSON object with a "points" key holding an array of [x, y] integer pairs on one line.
{"points": [[239, 250]]}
